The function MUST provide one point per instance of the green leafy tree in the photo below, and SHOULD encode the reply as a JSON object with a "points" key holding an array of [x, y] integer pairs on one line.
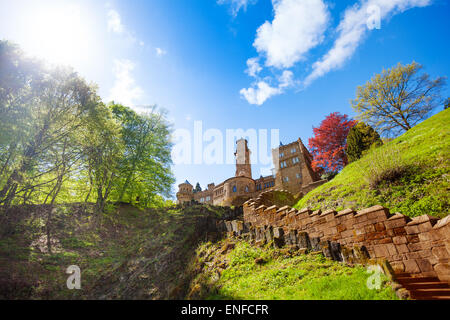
{"points": [[359, 139], [145, 167], [102, 148], [398, 98], [60, 143], [59, 104], [18, 76]]}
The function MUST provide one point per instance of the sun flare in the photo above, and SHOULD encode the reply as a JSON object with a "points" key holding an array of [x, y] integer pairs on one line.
{"points": [[60, 35]]}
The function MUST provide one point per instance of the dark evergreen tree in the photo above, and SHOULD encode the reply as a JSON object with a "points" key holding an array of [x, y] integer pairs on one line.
{"points": [[197, 188], [361, 138]]}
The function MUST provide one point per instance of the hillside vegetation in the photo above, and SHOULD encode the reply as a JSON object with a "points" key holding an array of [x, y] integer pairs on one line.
{"points": [[125, 253], [163, 253], [409, 174], [239, 271]]}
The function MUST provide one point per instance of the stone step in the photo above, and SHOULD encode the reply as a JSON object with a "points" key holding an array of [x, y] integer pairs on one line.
{"points": [[430, 293], [432, 298], [426, 285], [402, 274], [424, 288], [407, 280]]}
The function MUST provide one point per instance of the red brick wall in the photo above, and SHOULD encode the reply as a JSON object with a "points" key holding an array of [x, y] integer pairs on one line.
{"points": [[420, 245]]}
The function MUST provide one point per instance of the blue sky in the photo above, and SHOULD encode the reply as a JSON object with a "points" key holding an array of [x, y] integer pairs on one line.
{"points": [[193, 58]]}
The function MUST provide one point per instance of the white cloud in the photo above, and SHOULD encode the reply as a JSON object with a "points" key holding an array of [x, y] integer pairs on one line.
{"points": [[253, 67], [261, 90], [115, 25], [160, 52], [125, 90], [114, 22], [286, 79], [259, 94], [237, 5], [298, 26], [352, 29]]}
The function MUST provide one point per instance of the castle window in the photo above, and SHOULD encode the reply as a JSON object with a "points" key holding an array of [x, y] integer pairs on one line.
{"points": [[293, 150], [208, 198], [286, 179], [202, 199], [281, 154], [296, 160], [283, 164], [246, 188], [299, 175], [234, 189]]}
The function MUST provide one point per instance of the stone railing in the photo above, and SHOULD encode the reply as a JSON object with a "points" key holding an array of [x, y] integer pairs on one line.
{"points": [[420, 246]]}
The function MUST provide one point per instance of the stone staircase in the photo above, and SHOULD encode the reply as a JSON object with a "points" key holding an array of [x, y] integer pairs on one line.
{"points": [[424, 288]]}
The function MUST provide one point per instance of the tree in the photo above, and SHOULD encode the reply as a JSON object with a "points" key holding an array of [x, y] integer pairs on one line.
{"points": [[102, 149], [329, 142], [447, 103], [55, 102], [60, 143], [397, 99], [145, 166], [18, 76], [359, 139], [197, 188]]}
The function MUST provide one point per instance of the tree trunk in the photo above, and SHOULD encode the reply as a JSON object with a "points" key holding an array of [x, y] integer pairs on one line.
{"points": [[90, 186], [5, 165], [127, 182], [48, 230]]}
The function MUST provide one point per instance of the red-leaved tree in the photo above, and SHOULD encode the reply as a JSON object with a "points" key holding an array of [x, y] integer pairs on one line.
{"points": [[329, 142]]}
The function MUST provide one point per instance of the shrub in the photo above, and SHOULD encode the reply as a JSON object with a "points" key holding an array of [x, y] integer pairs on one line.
{"points": [[329, 175], [385, 165]]}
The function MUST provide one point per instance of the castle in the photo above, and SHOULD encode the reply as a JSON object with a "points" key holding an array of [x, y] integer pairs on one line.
{"points": [[293, 173]]}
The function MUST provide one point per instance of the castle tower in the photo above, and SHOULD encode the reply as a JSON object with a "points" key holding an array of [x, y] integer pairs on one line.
{"points": [[242, 154], [185, 192], [293, 167]]}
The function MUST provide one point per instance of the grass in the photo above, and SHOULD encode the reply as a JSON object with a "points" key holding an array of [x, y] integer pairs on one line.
{"points": [[419, 183], [281, 275]]}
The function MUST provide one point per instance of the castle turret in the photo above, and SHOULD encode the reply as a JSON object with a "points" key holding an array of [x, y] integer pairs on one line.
{"points": [[185, 192], [242, 154]]}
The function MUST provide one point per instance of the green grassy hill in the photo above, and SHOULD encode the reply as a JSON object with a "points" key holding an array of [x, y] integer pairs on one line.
{"points": [[410, 175]]}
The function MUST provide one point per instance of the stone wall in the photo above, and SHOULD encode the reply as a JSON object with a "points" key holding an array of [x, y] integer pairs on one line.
{"points": [[420, 246]]}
